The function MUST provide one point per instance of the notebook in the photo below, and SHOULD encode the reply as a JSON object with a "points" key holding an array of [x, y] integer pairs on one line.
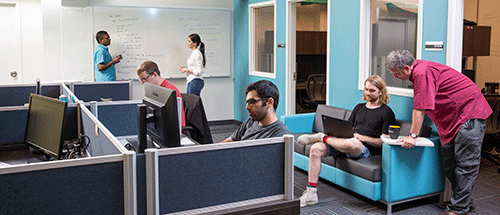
{"points": [[337, 127]]}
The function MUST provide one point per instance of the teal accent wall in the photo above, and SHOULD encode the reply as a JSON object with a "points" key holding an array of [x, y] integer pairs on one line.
{"points": [[242, 77], [344, 53]]}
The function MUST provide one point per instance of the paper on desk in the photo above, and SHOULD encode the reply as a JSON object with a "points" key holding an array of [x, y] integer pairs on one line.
{"points": [[421, 141]]}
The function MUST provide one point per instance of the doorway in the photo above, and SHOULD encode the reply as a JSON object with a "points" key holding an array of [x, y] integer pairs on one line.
{"points": [[306, 55], [10, 56]]}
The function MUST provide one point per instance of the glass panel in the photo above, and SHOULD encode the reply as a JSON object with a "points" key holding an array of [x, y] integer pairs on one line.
{"points": [[264, 39], [394, 26]]}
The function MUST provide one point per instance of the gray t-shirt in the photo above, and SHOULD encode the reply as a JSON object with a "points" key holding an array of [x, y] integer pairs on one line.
{"points": [[250, 130]]}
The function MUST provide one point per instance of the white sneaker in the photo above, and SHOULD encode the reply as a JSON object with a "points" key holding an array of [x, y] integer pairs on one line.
{"points": [[309, 197], [307, 139]]}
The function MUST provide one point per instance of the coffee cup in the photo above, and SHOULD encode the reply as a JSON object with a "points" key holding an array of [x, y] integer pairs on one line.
{"points": [[394, 131]]}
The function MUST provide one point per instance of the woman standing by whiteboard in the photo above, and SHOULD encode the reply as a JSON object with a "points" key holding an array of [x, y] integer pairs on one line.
{"points": [[195, 65]]}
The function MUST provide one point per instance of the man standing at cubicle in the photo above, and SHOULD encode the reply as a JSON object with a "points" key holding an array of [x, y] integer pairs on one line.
{"points": [[104, 64], [261, 103], [149, 72], [458, 109]]}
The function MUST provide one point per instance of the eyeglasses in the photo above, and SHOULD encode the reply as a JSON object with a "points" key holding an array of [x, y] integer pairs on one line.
{"points": [[251, 101], [145, 79]]}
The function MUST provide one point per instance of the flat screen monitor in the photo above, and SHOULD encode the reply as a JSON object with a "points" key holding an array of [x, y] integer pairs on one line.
{"points": [[163, 122], [44, 127]]}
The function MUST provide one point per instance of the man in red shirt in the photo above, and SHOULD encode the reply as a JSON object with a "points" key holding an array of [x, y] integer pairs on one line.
{"points": [[148, 72], [458, 109]]}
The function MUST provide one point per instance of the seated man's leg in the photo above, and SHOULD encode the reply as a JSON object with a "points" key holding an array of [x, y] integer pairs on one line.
{"points": [[317, 151], [310, 196], [351, 146]]}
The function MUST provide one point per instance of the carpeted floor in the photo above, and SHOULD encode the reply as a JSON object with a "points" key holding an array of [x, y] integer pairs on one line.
{"points": [[335, 200]]}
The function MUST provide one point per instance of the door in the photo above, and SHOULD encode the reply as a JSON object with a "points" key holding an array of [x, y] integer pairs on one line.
{"points": [[10, 51]]}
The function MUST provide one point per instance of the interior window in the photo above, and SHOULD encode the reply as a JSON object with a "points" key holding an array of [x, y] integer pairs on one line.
{"points": [[262, 39], [393, 26]]}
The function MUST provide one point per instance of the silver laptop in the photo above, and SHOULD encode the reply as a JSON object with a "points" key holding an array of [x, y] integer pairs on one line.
{"points": [[337, 127]]}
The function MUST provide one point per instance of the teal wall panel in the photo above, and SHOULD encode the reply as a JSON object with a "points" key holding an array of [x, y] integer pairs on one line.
{"points": [[241, 37]]}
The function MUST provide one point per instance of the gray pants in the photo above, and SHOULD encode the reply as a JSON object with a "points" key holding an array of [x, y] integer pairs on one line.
{"points": [[461, 158]]}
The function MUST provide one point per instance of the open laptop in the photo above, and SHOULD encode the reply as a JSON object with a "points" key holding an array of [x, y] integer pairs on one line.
{"points": [[337, 127]]}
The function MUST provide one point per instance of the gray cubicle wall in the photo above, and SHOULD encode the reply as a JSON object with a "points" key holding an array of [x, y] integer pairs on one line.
{"points": [[104, 183], [209, 178], [13, 125], [95, 91], [19, 94], [99, 135], [121, 117]]}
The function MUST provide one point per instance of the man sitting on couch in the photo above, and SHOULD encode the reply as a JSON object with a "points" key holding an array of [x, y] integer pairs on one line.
{"points": [[370, 120]]}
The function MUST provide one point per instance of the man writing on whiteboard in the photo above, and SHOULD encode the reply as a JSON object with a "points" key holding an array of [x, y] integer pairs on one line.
{"points": [[104, 64]]}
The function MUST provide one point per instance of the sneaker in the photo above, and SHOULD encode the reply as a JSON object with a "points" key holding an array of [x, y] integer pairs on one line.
{"points": [[309, 197], [307, 139]]}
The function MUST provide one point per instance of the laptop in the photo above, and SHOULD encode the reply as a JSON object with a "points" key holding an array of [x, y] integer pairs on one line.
{"points": [[337, 127]]}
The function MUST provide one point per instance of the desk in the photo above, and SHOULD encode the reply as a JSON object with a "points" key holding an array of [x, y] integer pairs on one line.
{"points": [[421, 141], [21, 156], [132, 140]]}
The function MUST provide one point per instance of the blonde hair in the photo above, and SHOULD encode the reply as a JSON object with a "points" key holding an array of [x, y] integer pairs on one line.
{"points": [[378, 82]]}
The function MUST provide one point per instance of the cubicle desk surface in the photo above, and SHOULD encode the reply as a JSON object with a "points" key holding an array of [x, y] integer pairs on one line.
{"points": [[21, 156], [132, 139]]}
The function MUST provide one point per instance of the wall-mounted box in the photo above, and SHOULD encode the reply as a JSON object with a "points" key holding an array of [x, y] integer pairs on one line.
{"points": [[476, 41]]}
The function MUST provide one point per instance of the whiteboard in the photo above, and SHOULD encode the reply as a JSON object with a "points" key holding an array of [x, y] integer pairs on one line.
{"points": [[160, 35]]}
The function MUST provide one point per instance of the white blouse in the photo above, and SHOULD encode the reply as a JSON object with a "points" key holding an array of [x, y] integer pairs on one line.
{"points": [[195, 64]]}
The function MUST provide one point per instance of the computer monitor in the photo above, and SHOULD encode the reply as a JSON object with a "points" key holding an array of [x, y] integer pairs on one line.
{"points": [[44, 127], [162, 115]]}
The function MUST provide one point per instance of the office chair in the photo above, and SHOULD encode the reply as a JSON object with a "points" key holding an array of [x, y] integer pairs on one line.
{"points": [[315, 90], [196, 121], [492, 133]]}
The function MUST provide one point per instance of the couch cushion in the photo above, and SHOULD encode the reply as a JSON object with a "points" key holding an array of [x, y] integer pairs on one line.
{"points": [[368, 168], [326, 110], [328, 160]]}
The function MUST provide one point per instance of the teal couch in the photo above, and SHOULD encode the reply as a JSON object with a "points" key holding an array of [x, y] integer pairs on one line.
{"points": [[398, 175]]}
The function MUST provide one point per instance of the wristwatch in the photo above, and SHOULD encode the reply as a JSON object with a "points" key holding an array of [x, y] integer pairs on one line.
{"points": [[414, 135]]}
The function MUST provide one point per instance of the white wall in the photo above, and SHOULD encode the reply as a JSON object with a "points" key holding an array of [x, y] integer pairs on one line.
{"points": [[57, 42]]}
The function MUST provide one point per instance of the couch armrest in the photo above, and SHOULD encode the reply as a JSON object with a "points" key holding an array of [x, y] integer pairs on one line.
{"points": [[299, 123], [408, 173]]}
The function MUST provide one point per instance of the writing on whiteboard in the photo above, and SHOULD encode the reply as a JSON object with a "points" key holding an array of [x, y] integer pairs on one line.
{"points": [[160, 35]]}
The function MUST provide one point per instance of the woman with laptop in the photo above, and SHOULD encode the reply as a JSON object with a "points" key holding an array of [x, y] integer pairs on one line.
{"points": [[369, 121]]}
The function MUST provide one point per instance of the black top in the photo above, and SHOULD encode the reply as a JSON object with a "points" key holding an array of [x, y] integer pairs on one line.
{"points": [[372, 122]]}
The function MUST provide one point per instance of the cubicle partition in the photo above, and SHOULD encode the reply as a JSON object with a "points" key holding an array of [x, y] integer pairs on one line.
{"points": [[13, 125], [19, 94], [99, 91], [212, 178], [70, 96], [102, 183], [120, 117]]}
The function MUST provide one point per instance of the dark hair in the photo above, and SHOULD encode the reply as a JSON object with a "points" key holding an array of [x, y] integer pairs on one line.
{"points": [[99, 36], [149, 67], [196, 39], [265, 89]]}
